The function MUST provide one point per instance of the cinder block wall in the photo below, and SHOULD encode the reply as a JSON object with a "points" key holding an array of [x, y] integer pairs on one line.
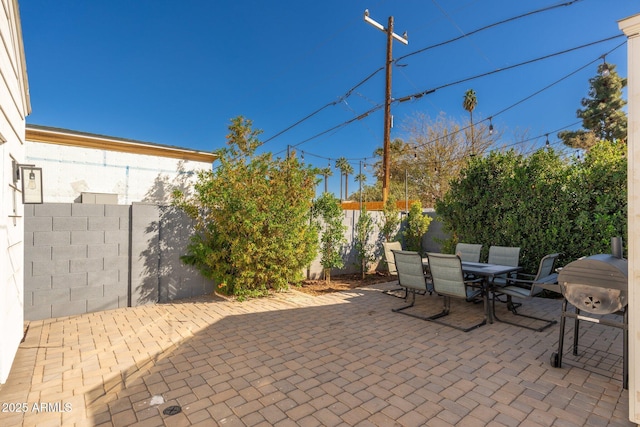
{"points": [[82, 258], [159, 236], [76, 259]]}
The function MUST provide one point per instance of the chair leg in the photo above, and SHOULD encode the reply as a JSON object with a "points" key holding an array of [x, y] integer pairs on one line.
{"points": [[547, 322], [393, 293], [513, 306], [413, 301], [434, 318], [445, 312]]}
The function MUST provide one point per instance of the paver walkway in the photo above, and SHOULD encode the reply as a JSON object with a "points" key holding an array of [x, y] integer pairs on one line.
{"points": [[341, 359]]}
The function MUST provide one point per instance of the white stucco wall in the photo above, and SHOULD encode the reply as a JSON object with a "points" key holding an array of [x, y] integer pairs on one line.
{"points": [[631, 27], [69, 171], [14, 106]]}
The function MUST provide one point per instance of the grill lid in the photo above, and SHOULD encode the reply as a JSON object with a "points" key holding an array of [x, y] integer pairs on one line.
{"points": [[603, 271], [597, 284]]}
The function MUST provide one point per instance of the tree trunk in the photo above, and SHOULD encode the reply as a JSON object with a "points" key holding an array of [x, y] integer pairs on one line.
{"points": [[346, 186]]}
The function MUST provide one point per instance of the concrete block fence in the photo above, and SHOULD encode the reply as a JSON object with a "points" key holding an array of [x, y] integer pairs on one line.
{"points": [[82, 258]]}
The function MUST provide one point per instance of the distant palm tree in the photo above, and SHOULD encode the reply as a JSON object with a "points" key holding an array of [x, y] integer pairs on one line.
{"points": [[348, 170], [326, 172], [361, 179], [469, 104], [345, 169]]}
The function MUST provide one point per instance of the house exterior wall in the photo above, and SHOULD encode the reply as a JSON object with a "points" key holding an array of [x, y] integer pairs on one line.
{"points": [[69, 171], [631, 27], [14, 107]]}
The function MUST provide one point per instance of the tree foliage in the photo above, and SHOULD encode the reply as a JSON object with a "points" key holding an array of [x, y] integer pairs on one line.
{"points": [[329, 214], [390, 220], [433, 153], [365, 248], [416, 227], [602, 115], [542, 203], [252, 217]]}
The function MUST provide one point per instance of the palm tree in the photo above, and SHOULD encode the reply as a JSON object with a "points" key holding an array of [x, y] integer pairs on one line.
{"points": [[345, 169], [361, 178], [469, 104], [326, 172]]}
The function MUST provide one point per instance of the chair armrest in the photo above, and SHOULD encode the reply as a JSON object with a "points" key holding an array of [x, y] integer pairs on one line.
{"points": [[520, 282], [474, 282]]}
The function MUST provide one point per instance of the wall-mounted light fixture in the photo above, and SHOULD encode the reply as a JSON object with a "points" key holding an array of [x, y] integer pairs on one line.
{"points": [[31, 181], [31, 185]]}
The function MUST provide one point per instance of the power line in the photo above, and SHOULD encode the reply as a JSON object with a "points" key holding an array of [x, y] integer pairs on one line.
{"points": [[536, 92], [350, 91], [486, 27], [337, 101], [510, 67], [430, 91], [506, 108]]}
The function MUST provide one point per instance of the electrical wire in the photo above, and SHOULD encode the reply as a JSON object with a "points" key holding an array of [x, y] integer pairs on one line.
{"points": [[350, 91], [486, 27], [514, 105], [430, 91], [337, 101], [536, 92], [510, 67]]}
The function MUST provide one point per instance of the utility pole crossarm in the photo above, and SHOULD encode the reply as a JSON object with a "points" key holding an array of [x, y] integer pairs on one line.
{"points": [[401, 38]]}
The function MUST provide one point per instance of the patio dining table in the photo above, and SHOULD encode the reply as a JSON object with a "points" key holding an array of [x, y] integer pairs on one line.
{"points": [[487, 272]]}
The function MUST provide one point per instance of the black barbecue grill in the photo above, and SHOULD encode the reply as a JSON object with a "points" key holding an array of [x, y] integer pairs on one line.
{"points": [[597, 285]]}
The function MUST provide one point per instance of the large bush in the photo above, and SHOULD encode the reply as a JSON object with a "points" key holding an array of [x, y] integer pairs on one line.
{"points": [[542, 203], [252, 217]]}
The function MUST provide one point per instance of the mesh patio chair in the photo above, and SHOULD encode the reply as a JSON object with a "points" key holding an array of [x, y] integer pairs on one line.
{"points": [[469, 252], [503, 255], [449, 282], [526, 286], [411, 277], [388, 248]]}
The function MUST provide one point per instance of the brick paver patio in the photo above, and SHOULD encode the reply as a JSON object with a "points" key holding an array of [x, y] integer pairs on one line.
{"points": [[341, 359]]}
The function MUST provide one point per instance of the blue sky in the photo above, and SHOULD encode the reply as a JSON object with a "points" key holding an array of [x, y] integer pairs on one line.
{"points": [[175, 72]]}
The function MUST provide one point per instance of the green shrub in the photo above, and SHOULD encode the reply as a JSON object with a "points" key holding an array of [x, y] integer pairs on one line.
{"points": [[365, 250], [416, 227], [328, 212], [543, 203], [252, 227]]}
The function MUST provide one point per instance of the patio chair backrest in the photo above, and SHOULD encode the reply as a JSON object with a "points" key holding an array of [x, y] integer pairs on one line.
{"points": [[410, 270], [469, 252], [504, 255], [446, 274], [389, 247], [546, 266]]}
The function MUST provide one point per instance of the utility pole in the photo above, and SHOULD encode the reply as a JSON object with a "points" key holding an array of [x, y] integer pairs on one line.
{"points": [[386, 161], [360, 180]]}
